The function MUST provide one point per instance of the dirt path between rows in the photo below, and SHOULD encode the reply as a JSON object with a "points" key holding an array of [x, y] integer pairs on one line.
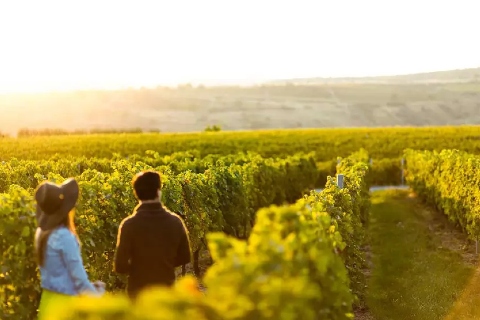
{"points": [[421, 266]]}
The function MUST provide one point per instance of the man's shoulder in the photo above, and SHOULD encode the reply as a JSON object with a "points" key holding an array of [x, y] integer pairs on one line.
{"points": [[127, 221], [176, 216]]}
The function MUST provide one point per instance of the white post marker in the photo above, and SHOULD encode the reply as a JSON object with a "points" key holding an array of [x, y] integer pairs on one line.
{"points": [[371, 161], [340, 181]]}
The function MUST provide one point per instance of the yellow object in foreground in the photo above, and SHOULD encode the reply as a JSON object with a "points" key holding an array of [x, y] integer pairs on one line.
{"points": [[51, 300]]}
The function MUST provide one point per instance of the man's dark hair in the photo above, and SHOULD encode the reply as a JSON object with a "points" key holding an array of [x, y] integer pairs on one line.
{"points": [[146, 185]]}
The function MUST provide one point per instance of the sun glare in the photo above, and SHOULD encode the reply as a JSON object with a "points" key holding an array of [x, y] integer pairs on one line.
{"points": [[62, 45]]}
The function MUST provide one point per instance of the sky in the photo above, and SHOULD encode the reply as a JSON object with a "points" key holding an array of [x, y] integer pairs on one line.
{"points": [[61, 45]]}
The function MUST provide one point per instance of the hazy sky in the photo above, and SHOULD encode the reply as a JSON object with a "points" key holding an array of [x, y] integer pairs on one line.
{"points": [[69, 44]]}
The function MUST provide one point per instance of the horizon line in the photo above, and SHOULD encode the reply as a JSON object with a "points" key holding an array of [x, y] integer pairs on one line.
{"points": [[222, 83]]}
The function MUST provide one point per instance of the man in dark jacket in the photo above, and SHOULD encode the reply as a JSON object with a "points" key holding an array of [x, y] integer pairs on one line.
{"points": [[152, 241]]}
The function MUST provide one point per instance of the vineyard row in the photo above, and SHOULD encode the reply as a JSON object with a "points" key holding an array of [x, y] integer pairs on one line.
{"points": [[449, 181], [327, 143], [28, 173]]}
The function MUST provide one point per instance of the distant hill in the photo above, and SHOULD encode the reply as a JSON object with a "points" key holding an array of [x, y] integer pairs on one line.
{"points": [[449, 76], [435, 98]]}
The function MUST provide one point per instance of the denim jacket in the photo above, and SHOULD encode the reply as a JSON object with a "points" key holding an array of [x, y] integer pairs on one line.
{"points": [[63, 270]]}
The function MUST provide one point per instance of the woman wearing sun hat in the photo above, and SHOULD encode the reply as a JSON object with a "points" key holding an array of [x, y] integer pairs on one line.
{"points": [[57, 247]]}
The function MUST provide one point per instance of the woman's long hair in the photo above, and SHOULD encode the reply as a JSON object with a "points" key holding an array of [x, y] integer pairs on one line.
{"points": [[41, 237]]}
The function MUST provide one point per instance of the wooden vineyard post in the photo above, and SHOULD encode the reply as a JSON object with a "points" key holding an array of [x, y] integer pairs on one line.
{"points": [[340, 181], [403, 173], [476, 245]]}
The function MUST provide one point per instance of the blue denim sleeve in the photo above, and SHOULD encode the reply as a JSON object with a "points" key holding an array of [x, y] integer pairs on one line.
{"points": [[73, 260]]}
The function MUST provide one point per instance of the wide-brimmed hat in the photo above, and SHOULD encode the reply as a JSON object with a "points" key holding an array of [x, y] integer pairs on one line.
{"points": [[54, 202]]}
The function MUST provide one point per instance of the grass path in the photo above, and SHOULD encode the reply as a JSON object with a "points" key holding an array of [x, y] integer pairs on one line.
{"points": [[421, 267]]}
